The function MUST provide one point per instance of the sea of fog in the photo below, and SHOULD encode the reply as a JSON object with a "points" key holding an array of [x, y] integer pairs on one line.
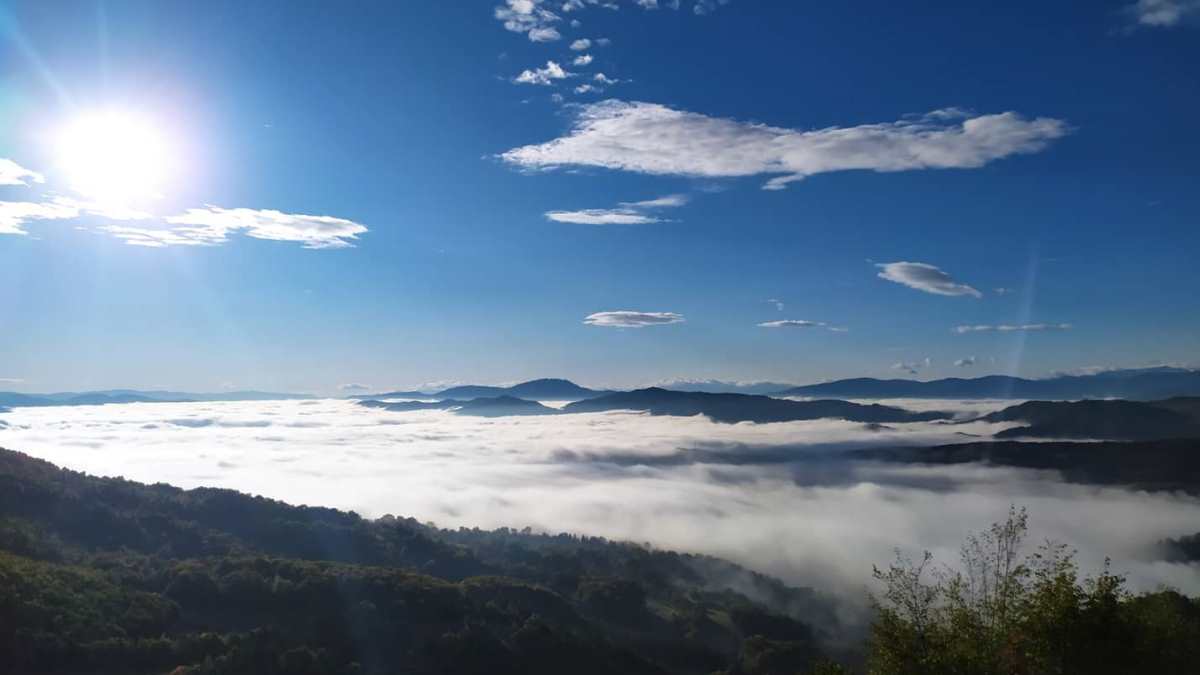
{"points": [[744, 492]]}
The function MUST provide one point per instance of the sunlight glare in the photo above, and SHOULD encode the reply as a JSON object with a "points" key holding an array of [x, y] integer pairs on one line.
{"points": [[115, 157]]}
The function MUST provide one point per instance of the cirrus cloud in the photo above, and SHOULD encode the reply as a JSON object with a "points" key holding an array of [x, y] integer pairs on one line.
{"points": [[1008, 328], [632, 319], [626, 213], [800, 323], [924, 277], [1163, 13], [654, 139]]}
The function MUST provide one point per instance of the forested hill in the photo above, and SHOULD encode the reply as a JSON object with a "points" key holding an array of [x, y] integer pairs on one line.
{"points": [[105, 575]]}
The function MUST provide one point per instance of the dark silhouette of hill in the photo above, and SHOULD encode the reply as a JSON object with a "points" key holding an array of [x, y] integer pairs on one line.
{"points": [[1172, 464], [1139, 384], [107, 576], [731, 408], [546, 389], [496, 406], [1103, 419]]}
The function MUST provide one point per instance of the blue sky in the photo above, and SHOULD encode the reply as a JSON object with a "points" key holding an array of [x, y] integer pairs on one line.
{"points": [[405, 193]]}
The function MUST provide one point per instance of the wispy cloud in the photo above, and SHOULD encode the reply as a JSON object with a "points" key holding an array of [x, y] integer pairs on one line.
{"points": [[14, 215], [800, 323], [632, 319], [12, 173], [924, 277], [213, 223], [582, 60], [1007, 328], [703, 7], [581, 44], [912, 367], [353, 386], [964, 362], [655, 139], [626, 213], [543, 76], [778, 303], [1163, 13]]}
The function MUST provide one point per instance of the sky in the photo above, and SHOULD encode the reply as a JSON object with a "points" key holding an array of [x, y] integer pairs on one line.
{"points": [[302, 197]]}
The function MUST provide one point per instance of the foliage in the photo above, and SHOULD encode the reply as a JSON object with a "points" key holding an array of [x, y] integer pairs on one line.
{"points": [[1005, 612]]}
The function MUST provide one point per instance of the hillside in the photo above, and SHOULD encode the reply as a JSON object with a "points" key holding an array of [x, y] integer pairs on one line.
{"points": [[1107, 419], [730, 408], [108, 576]]}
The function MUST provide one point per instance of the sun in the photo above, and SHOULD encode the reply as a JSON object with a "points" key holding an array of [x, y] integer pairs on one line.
{"points": [[115, 157]]}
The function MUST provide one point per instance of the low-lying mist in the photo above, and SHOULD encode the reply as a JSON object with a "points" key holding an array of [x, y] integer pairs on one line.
{"points": [[774, 497]]}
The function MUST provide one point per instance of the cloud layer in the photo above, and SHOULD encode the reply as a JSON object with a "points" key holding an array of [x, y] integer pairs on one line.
{"points": [[655, 139], [632, 319], [751, 493], [924, 277]]}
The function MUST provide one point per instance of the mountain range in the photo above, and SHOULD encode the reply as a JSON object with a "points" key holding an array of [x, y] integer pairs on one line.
{"points": [[1138, 384], [16, 399]]}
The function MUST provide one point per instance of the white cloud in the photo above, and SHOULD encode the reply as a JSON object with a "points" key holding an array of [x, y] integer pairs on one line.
{"points": [[582, 60], [626, 213], [13, 215], [666, 201], [544, 35], [1163, 13], [353, 386], [11, 380], [707, 6], [581, 44], [601, 217], [778, 303], [529, 17], [911, 367], [604, 79], [12, 173], [800, 323], [587, 88], [543, 76], [964, 362], [1006, 328], [924, 277], [211, 224], [1002, 290], [631, 319], [654, 139]]}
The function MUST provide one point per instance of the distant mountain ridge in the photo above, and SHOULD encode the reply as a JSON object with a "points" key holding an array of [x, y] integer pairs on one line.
{"points": [[1134, 384], [14, 399], [731, 408], [544, 389]]}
